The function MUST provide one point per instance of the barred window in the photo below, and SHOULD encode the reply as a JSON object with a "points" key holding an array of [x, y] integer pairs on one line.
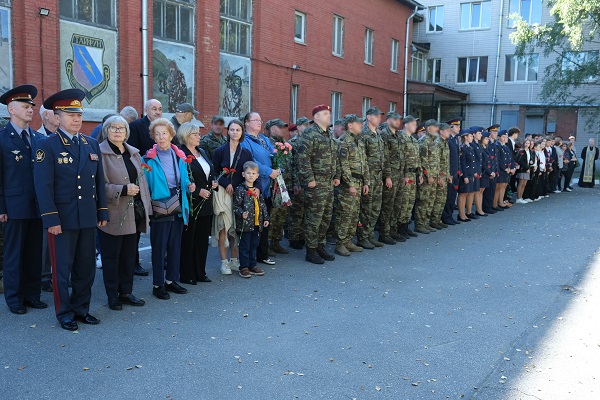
{"points": [[101, 12], [174, 20]]}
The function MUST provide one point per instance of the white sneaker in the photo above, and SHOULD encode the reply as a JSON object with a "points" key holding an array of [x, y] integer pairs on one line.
{"points": [[225, 270], [234, 265], [528, 201], [538, 198], [569, 190], [521, 201], [98, 262], [546, 196], [557, 191]]}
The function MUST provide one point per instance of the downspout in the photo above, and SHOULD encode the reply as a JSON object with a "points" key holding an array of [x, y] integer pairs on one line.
{"points": [[408, 40], [145, 50], [500, 22]]}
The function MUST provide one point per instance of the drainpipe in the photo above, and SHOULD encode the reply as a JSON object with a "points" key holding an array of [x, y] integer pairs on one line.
{"points": [[500, 22], [145, 49], [408, 41]]}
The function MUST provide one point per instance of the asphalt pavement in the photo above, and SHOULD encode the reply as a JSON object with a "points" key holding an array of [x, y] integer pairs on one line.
{"points": [[497, 308]]}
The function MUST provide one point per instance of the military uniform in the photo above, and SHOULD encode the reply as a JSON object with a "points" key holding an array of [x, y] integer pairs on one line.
{"points": [[296, 210], [429, 152], [69, 183], [391, 203], [490, 192], [279, 214], [441, 191], [210, 142], [411, 168]]}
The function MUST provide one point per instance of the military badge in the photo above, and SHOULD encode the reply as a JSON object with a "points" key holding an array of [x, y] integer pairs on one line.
{"points": [[93, 157], [59, 160], [70, 159], [64, 154], [65, 160], [16, 151], [40, 155]]}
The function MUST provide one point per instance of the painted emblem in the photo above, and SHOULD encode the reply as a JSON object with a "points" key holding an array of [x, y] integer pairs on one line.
{"points": [[87, 71], [40, 155]]}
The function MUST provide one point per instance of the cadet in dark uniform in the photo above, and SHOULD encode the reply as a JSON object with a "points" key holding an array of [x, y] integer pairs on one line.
{"points": [[19, 213], [69, 183], [453, 145], [468, 169], [490, 192]]}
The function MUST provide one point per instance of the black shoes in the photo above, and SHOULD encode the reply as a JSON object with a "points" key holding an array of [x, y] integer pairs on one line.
{"points": [[313, 257], [189, 281], [35, 304], [20, 310], [115, 304], [69, 325], [88, 319], [387, 240], [175, 288], [324, 254], [131, 300], [47, 286], [161, 293], [449, 222], [139, 271], [473, 216], [204, 279], [297, 244], [463, 220], [407, 232]]}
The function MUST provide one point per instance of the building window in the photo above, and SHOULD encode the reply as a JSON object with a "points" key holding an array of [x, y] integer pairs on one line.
{"points": [[434, 68], [369, 46], [100, 12], [393, 105], [416, 70], [394, 63], [236, 26], [472, 70], [435, 16], [529, 10], [581, 66], [366, 105], [300, 27], [521, 69], [174, 20], [475, 15], [338, 36], [6, 67], [294, 102], [336, 106]]}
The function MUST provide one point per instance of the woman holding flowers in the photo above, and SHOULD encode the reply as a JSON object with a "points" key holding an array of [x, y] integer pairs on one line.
{"points": [[194, 243], [128, 201], [228, 160]]}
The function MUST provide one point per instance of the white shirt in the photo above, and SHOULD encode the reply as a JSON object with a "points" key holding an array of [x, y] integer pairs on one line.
{"points": [[205, 166], [542, 157]]}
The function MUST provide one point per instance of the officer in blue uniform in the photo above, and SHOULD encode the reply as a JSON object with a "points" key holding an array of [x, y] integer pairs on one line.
{"points": [[19, 212], [454, 146], [69, 181], [490, 193]]}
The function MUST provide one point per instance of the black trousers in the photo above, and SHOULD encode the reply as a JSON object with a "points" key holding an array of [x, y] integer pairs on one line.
{"points": [[488, 196], [73, 255], [194, 248], [263, 248], [118, 262], [165, 238], [22, 260], [450, 203]]}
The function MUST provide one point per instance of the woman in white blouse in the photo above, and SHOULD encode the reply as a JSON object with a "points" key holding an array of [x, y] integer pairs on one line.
{"points": [[194, 243], [541, 156]]}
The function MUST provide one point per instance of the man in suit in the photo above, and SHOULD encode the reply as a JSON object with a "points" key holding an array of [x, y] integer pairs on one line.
{"points": [[453, 146], [513, 135], [71, 211], [19, 213]]}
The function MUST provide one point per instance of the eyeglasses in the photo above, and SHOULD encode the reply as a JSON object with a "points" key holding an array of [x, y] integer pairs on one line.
{"points": [[115, 129], [256, 120], [195, 134]]}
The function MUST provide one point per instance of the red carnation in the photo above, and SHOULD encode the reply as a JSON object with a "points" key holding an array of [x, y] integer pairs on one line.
{"points": [[458, 172], [146, 167], [492, 157], [189, 159], [232, 171], [226, 170], [410, 181], [489, 166], [443, 174], [455, 187], [424, 171]]}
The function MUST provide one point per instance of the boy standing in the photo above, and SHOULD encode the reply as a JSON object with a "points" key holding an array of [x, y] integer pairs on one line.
{"points": [[250, 217]]}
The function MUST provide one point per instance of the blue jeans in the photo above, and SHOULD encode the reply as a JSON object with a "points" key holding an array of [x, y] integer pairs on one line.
{"points": [[165, 237], [249, 242]]}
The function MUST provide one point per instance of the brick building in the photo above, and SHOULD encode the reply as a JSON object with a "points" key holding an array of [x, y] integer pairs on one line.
{"points": [[226, 57]]}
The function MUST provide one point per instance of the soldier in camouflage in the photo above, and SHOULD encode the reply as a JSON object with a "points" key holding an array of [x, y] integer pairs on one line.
{"points": [[302, 123], [353, 171], [411, 169], [317, 168], [391, 198], [295, 222], [429, 152], [379, 171], [216, 137], [444, 177]]}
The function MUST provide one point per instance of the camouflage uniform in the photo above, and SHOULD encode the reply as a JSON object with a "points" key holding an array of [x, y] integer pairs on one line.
{"points": [[317, 162], [379, 170], [430, 166], [353, 171], [336, 189], [296, 211], [279, 214], [444, 173], [391, 199], [410, 167], [210, 142]]}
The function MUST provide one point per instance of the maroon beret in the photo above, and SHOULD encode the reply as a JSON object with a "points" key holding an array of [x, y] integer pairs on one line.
{"points": [[292, 127], [320, 107]]}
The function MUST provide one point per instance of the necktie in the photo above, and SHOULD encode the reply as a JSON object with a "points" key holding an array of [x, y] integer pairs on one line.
{"points": [[76, 145], [76, 140], [25, 138]]}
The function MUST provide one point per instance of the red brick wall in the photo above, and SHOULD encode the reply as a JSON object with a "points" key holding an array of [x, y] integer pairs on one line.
{"points": [[207, 59]]}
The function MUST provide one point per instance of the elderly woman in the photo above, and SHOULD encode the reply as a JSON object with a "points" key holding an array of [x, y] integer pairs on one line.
{"points": [[194, 244], [128, 201], [170, 188], [230, 155]]}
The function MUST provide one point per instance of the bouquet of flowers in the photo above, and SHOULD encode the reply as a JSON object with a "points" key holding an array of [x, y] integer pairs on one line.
{"points": [[282, 152], [224, 171]]}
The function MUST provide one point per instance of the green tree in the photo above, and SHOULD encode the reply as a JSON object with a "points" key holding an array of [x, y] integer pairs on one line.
{"points": [[574, 29]]}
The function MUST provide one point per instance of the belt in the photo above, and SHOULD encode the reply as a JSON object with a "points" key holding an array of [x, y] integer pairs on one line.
{"points": [[412, 170], [357, 176]]}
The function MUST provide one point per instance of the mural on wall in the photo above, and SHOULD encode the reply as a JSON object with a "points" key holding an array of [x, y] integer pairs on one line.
{"points": [[89, 62], [173, 74], [5, 56], [234, 86]]}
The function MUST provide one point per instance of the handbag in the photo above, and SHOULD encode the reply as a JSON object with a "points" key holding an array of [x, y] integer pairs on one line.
{"points": [[171, 205], [139, 209]]}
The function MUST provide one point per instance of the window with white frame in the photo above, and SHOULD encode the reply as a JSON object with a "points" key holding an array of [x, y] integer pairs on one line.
{"points": [[294, 102], [300, 27], [521, 69], [369, 38], [529, 10], [336, 106], [472, 70], [581, 66], [6, 65], [416, 70], [100, 12], [476, 15], [393, 106], [365, 106], [236, 26], [434, 70], [435, 19], [394, 62], [338, 36]]}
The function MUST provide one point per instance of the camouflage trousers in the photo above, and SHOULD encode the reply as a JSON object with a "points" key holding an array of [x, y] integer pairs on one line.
{"points": [[347, 211], [425, 202], [276, 222], [318, 207], [370, 207], [409, 194], [296, 217], [441, 192], [390, 206]]}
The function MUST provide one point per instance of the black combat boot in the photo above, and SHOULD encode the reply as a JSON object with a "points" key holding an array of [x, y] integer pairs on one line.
{"points": [[324, 254], [313, 257]]}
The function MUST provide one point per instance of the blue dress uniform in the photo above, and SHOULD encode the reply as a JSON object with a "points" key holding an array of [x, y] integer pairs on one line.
{"points": [[467, 166], [504, 159], [490, 192], [486, 165], [23, 226], [453, 146], [69, 182]]}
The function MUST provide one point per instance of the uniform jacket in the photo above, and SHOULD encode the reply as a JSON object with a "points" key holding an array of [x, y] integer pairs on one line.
{"points": [[493, 152], [210, 142], [486, 162], [70, 187], [394, 155], [478, 157], [411, 159], [295, 142], [242, 202], [263, 158], [376, 154], [467, 161], [454, 156], [139, 135], [221, 158], [353, 166], [201, 182], [317, 156], [430, 156], [444, 151], [120, 208], [17, 191]]}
